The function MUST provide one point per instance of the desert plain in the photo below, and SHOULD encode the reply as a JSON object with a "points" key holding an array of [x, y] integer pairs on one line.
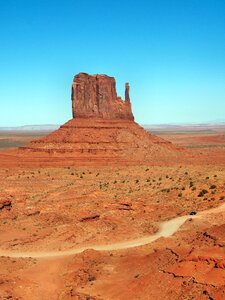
{"points": [[50, 210]]}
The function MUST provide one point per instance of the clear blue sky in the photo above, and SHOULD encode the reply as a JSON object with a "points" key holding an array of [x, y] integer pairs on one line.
{"points": [[171, 51]]}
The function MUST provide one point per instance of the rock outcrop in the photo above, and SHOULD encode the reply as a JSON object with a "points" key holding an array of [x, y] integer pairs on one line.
{"points": [[102, 128], [95, 96]]}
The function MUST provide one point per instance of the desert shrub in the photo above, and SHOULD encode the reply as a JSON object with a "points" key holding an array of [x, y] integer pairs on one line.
{"points": [[191, 184], [202, 193], [91, 278], [180, 195], [183, 188], [222, 198], [212, 187]]}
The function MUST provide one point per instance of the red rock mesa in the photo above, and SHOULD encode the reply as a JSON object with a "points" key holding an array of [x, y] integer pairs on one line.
{"points": [[102, 127]]}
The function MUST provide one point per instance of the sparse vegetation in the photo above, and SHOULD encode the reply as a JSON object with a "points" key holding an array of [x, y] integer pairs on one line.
{"points": [[202, 193], [213, 186]]}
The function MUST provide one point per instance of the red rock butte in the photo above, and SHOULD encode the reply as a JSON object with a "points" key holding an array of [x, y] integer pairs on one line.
{"points": [[95, 96], [102, 128]]}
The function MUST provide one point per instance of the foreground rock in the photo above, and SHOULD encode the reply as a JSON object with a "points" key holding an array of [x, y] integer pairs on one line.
{"points": [[7, 204]]}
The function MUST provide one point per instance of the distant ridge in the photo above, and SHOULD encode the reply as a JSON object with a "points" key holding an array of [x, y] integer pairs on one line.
{"points": [[154, 127], [160, 127], [187, 126], [47, 127]]}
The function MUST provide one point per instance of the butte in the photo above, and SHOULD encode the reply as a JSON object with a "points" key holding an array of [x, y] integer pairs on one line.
{"points": [[102, 129]]}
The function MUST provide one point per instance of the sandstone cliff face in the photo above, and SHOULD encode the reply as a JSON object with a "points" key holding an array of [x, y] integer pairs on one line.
{"points": [[95, 96]]}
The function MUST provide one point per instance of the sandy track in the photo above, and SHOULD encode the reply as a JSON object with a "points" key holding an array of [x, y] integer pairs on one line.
{"points": [[167, 229]]}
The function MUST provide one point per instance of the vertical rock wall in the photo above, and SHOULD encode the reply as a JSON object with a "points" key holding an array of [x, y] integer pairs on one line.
{"points": [[95, 96]]}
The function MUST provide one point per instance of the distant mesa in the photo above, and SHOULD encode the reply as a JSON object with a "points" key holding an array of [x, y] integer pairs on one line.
{"points": [[102, 128]]}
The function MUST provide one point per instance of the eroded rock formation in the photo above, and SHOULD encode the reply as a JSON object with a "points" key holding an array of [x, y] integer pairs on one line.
{"points": [[95, 96], [102, 128]]}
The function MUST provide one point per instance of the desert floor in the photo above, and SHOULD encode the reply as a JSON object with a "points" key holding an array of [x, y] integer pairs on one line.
{"points": [[96, 232]]}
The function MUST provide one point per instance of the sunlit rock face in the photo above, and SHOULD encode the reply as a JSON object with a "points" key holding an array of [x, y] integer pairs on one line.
{"points": [[95, 96]]}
